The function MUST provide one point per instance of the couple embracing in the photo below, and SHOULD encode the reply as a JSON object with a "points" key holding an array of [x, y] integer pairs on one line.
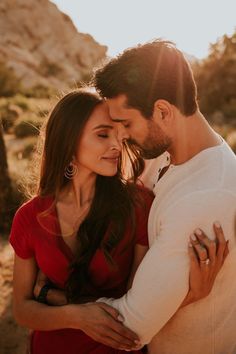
{"points": [[104, 264]]}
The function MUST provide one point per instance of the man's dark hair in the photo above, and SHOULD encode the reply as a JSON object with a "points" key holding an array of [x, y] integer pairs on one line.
{"points": [[146, 73]]}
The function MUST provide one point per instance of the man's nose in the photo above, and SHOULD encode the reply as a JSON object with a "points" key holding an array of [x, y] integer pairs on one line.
{"points": [[122, 133]]}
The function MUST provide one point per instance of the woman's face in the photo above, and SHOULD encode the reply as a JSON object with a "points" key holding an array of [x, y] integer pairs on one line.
{"points": [[99, 148]]}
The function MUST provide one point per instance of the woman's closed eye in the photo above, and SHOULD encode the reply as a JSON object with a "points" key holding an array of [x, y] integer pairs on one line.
{"points": [[103, 134]]}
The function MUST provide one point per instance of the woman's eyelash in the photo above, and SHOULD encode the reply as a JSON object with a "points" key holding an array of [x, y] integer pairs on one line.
{"points": [[103, 135]]}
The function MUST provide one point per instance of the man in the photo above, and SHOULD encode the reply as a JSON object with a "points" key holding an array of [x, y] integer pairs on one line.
{"points": [[151, 91]]}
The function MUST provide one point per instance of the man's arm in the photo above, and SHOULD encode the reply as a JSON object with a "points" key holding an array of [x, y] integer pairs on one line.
{"points": [[161, 281]]}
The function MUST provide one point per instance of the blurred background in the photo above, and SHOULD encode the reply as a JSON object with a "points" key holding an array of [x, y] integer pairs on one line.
{"points": [[48, 47]]}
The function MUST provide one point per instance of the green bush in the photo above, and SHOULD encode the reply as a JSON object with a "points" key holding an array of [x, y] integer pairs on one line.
{"points": [[29, 148], [9, 113], [231, 139], [15, 199], [42, 113], [229, 110], [39, 91], [28, 125], [9, 83], [21, 101]]}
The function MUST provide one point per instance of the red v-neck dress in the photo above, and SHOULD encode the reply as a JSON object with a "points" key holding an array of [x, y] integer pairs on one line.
{"points": [[37, 235]]}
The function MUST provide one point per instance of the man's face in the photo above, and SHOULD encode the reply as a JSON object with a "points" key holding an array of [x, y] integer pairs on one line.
{"points": [[144, 133]]}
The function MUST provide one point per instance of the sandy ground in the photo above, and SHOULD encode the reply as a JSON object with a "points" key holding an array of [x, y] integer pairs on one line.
{"points": [[12, 337]]}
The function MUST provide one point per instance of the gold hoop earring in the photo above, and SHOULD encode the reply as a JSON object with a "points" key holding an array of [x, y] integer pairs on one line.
{"points": [[70, 171]]}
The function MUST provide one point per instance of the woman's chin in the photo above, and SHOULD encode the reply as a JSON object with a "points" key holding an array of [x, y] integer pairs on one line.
{"points": [[108, 173]]}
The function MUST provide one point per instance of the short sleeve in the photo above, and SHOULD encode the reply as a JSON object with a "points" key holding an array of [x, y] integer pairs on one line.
{"points": [[20, 236], [142, 214]]}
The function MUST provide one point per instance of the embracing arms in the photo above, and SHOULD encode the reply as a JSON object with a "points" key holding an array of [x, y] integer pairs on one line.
{"points": [[92, 318], [162, 280]]}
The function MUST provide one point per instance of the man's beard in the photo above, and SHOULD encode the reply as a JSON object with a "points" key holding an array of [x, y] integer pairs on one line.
{"points": [[155, 143]]}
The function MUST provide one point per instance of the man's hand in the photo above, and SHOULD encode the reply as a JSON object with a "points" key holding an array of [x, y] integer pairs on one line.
{"points": [[104, 324]]}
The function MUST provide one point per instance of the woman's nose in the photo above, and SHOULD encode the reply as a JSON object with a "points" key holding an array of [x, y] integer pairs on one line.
{"points": [[116, 144]]}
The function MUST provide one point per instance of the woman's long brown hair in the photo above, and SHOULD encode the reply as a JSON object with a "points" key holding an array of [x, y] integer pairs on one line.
{"points": [[114, 199]]}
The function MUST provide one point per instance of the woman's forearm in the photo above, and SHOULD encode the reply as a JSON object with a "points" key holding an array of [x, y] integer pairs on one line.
{"points": [[189, 298], [37, 316]]}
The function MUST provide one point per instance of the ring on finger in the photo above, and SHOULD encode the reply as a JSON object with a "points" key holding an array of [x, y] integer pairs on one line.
{"points": [[206, 261]]}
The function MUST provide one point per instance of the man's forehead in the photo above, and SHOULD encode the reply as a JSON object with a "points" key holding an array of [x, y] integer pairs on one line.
{"points": [[119, 101], [117, 107]]}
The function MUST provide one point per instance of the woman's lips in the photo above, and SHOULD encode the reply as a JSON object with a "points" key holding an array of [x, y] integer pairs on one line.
{"points": [[111, 159]]}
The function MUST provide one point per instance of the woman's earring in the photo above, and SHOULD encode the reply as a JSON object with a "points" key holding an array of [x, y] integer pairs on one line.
{"points": [[70, 171]]}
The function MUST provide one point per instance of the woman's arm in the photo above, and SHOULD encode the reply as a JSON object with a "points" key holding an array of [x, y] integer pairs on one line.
{"points": [[92, 318], [29, 312], [54, 296]]}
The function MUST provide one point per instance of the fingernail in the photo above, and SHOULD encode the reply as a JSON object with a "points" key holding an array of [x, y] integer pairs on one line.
{"points": [[190, 245], [193, 237], [137, 342], [120, 318], [198, 232], [217, 224]]}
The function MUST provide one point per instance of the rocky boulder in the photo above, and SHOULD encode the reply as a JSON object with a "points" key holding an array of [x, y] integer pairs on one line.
{"points": [[42, 45]]}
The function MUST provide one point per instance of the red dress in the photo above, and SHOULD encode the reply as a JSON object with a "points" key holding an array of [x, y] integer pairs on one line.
{"points": [[34, 235]]}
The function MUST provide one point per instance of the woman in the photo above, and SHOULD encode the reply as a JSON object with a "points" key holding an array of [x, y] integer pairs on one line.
{"points": [[85, 230]]}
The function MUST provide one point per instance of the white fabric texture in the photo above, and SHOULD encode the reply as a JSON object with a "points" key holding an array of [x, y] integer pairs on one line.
{"points": [[188, 196]]}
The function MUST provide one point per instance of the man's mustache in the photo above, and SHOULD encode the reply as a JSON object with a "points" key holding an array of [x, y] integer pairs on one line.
{"points": [[133, 143]]}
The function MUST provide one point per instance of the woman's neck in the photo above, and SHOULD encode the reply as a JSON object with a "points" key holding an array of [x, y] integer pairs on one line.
{"points": [[80, 190]]}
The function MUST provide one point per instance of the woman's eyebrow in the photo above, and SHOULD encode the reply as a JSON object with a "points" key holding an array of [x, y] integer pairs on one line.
{"points": [[103, 126]]}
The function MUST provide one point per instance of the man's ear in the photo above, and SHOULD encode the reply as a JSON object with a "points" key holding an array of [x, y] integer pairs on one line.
{"points": [[163, 112]]}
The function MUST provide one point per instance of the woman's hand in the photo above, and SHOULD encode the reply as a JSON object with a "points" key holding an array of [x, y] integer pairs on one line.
{"points": [[98, 320], [41, 280], [103, 323], [55, 297], [206, 259]]}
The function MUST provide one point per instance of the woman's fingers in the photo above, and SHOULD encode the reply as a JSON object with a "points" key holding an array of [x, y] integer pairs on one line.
{"points": [[41, 280], [208, 244], [226, 251], [206, 259], [112, 311], [100, 324], [41, 276], [201, 251], [211, 251], [194, 264], [221, 242]]}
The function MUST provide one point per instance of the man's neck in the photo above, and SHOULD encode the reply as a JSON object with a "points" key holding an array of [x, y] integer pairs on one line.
{"points": [[193, 135]]}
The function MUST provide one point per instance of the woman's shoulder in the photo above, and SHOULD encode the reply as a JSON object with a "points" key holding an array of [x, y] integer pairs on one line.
{"points": [[144, 193], [142, 199], [34, 206]]}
